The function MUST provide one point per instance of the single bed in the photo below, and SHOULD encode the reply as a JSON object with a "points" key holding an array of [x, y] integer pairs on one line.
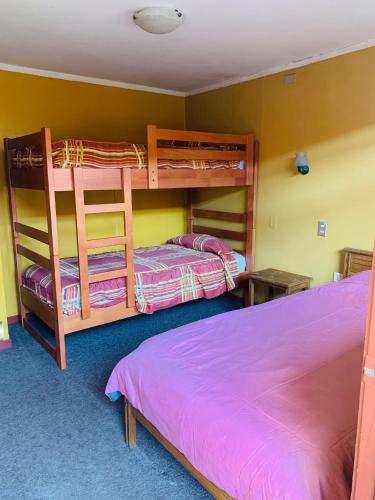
{"points": [[260, 402], [165, 275]]}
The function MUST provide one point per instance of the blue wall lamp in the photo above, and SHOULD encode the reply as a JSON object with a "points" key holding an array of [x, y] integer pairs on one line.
{"points": [[302, 163]]}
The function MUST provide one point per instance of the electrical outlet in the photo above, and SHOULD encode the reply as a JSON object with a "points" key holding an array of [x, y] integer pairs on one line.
{"points": [[322, 228], [337, 276]]}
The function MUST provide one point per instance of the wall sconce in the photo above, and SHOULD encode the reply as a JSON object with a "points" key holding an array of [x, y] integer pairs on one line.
{"points": [[302, 163]]}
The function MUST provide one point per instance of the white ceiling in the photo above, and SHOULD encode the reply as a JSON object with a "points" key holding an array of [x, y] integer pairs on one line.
{"points": [[220, 41]]}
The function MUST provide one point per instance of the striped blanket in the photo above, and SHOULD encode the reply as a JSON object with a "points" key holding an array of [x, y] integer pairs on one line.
{"points": [[165, 276], [72, 153]]}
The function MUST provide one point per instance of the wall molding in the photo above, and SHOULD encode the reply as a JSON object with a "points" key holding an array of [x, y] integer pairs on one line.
{"points": [[88, 79], [5, 344], [215, 86], [285, 67]]}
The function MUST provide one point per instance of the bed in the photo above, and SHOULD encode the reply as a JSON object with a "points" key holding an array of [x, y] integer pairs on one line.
{"points": [[172, 159], [165, 276], [265, 408]]}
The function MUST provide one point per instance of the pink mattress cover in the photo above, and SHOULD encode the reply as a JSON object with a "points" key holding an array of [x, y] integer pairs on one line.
{"points": [[262, 401]]}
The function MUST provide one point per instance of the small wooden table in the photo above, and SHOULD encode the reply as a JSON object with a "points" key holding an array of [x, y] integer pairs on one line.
{"points": [[280, 280]]}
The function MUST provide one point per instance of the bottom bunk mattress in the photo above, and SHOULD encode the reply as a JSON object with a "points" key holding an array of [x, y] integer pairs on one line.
{"points": [[165, 276], [262, 401]]}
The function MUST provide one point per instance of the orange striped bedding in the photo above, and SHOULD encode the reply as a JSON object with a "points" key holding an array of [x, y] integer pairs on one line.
{"points": [[71, 153]]}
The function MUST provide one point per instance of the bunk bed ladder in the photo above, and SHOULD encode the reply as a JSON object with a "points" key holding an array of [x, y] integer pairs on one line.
{"points": [[84, 245]]}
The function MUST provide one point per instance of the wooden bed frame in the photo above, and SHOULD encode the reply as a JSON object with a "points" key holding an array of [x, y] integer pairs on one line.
{"points": [[52, 180], [354, 261]]}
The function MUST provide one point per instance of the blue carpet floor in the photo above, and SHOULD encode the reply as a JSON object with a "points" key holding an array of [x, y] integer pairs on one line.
{"points": [[61, 438]]}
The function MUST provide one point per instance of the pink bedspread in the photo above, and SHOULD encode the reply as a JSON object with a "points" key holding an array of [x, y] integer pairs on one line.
{"points": [[262, 400]]}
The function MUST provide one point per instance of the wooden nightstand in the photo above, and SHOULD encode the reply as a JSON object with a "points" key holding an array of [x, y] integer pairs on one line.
{"points": [[280, 280]]}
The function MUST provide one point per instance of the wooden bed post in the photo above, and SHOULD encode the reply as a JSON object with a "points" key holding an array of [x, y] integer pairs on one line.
{"points": [[190, 210], [128, 226], [130, 425], [15, 235], [251, 191], [53, 246], [152, 156]]}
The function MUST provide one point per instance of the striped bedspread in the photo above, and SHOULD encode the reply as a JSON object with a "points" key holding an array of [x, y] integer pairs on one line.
{"points": [[72, 153], [165, 276]]}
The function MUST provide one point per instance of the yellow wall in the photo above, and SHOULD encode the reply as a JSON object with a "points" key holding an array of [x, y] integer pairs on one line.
{"points": [[95, 112], [329, 113]]}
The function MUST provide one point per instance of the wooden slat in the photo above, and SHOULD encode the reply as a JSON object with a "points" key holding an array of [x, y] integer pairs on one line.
{"points": [[39, 308], [34, 257], [25, 141], [221, 233], [209, 137], [39, 338], [106, 242], [152, 157], [110, 180], [104, 208], [108, 275], [219, 215], [200, 154], [32, 232], [98, 316]]}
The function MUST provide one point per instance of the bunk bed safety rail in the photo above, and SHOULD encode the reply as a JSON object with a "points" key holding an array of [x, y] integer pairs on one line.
{"points": [[155, 152]]}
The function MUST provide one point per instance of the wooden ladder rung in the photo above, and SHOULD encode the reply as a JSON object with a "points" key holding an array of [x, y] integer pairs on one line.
{"points": [[107, 242], [108, 275], [104, 208]]}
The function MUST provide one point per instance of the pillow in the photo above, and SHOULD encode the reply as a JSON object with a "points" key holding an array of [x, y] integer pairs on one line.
{"points": [[202, 242]]}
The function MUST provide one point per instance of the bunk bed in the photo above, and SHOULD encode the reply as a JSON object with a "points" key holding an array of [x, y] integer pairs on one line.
{"points": [[249, 402], [171, 159]]}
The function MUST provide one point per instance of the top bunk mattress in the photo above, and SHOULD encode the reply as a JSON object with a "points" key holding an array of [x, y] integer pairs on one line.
{"points": [[71, 153], [263, 401]]}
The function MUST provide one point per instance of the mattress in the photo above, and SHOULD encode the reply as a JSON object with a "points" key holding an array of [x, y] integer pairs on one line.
{"points": [[165, 276], [72, 153], [263, 401]]}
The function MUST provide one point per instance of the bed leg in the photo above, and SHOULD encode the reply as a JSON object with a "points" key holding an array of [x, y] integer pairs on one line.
{"points": [[130, 425]]}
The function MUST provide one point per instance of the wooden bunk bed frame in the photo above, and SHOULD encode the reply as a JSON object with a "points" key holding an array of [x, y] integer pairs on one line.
{"points": [[78, 180], [355, 261]]}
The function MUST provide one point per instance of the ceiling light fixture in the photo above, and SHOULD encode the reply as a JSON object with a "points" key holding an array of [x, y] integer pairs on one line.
{"points": [[158, 20]]}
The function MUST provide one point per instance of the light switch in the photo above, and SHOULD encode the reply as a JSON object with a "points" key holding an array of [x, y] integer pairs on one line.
{"points": [[322, 228], [273, 221]]}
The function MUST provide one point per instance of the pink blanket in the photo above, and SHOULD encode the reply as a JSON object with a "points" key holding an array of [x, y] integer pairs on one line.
{"points": [[262, 401]]}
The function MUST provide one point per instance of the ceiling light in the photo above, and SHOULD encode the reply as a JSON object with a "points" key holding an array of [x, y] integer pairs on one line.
{"points": [[158, 20]]}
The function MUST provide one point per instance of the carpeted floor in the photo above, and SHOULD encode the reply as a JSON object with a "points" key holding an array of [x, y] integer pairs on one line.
{"points": [[61, 438]]}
